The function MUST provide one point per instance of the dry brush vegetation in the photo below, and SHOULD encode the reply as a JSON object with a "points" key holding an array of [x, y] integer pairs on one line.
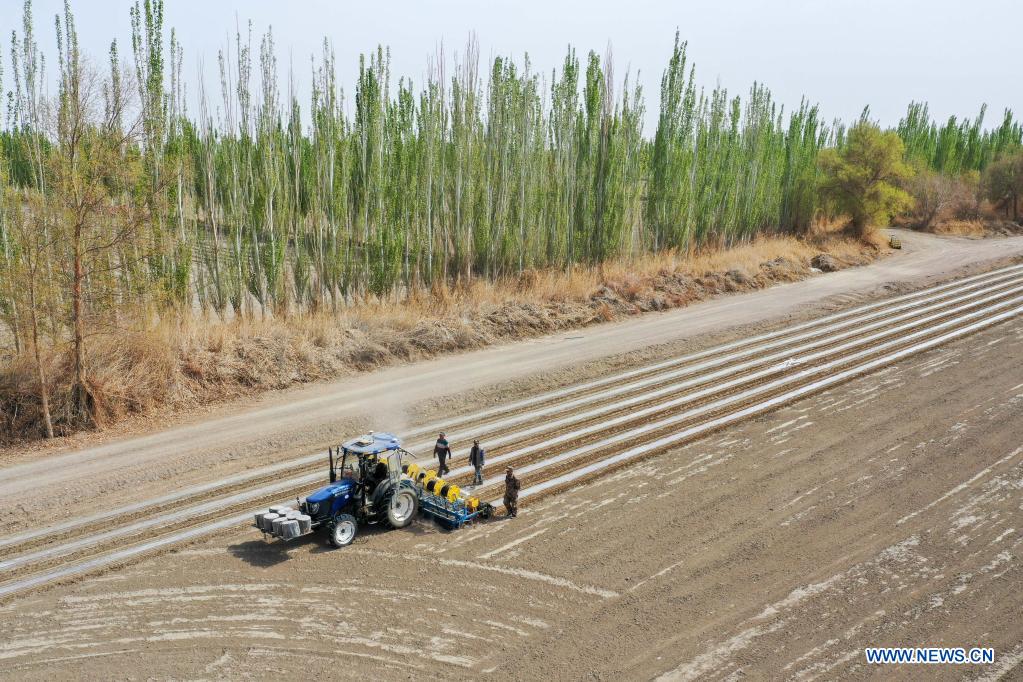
{"points": [[151, 257]]}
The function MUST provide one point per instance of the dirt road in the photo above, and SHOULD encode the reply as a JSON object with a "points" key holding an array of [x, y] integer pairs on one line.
{"points": [[886, 511], [297, 422]]}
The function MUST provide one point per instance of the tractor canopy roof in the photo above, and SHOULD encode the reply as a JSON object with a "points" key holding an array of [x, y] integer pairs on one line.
{"points": [[373, 443]]}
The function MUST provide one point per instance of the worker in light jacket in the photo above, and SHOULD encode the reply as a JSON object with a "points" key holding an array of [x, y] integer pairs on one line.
{"points": [[477, 456]]}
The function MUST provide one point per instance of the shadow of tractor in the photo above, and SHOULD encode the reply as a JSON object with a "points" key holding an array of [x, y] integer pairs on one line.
{"points": [[266, 553]]}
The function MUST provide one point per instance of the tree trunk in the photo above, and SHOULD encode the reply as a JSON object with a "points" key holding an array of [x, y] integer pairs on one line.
{"points": [[15, 321], [40, 370], [15, 326], [859, 225], [79, 391]]}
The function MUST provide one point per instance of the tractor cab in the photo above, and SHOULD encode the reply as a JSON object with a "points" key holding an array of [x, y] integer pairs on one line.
{"points": [[368, 461]]}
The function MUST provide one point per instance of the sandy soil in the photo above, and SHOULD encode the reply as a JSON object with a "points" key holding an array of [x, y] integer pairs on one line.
{"points": [[293, 423], [886, 511]]}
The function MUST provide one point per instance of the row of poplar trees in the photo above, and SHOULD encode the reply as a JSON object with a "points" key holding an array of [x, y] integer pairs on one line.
{"points": [[118, 204], [251, 204]]}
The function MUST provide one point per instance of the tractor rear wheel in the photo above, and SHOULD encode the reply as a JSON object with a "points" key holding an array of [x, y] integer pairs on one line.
{"points": [[343, 530], [402, 507], [381, 497]]}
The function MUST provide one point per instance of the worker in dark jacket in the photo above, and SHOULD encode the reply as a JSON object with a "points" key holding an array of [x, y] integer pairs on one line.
{"points": [[511, 493], [442, 451], [477, 456]]}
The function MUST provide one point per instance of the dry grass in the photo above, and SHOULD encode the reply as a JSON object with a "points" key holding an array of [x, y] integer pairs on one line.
{"points": [[978, 228], [962, 228], [196, 361], [966, 217]]}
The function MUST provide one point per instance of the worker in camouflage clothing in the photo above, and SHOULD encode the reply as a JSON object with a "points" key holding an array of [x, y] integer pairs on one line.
{"points": [[477, 457], [511, 493]]}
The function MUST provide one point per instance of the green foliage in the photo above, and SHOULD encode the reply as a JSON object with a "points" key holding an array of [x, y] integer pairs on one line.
{"points": [[722, 170], [957, 146], [863, 177]]}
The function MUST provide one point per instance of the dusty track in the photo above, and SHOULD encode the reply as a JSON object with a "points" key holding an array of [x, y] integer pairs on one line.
{"points": [[728, 390], [885, 511]]}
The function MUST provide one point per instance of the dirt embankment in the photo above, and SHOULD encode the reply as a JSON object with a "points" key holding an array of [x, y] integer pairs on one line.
{"points": [[184, 364]]}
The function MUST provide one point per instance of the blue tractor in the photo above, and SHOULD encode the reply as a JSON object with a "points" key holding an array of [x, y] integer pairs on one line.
{"points": [[366, 486]]}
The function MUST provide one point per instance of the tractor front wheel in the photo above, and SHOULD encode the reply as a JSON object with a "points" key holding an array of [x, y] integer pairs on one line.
{"points": [[343, 530], [402, 507]]}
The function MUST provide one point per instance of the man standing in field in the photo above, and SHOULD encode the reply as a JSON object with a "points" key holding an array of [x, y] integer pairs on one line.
{"points": [[477, 456], [511, 493], [442, 451]]}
